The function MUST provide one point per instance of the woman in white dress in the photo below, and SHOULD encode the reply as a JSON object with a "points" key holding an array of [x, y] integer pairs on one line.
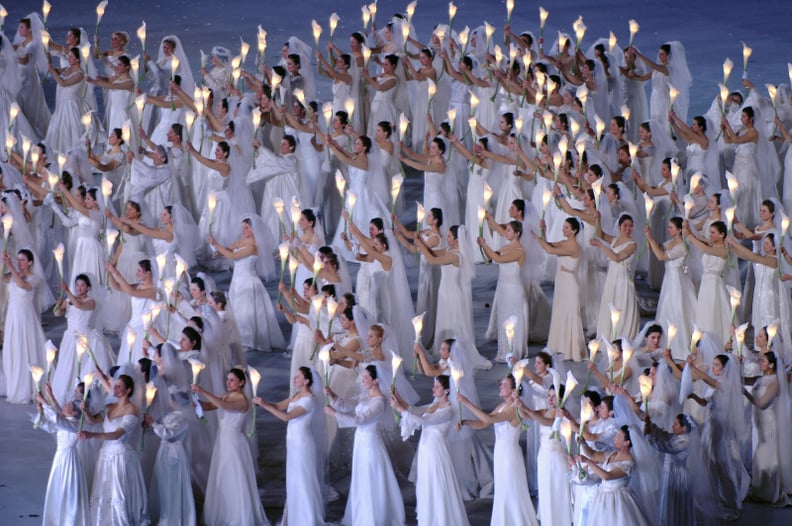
{"points": [[32, 61], [231, 493], [143, 296], [118, 495], [420, 99], [509, 503], [112, 163], [614, 502], [772, 463], [120, 89], [171, 501], [454, 295], [88, 254], [65, 128], [677, 295], [428, 275], [670, 69], [634, 92], [384, 85], [132, 248], [724, 425], [304, 503], [433, 166], [439, 499], [79, 308], [619, 288], [713, 309], [566, 326], [252, 305], [661, 196], [374, 495], [750, 192], [23, 338], [770, 301], [510, 298], [555, 495], [66, 499]]}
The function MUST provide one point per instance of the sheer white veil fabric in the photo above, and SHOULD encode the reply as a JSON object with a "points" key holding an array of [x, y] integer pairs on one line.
{"points": [[187, 79]]}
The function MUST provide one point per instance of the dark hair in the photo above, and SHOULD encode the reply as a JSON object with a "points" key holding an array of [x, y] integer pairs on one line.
{"points": [[437, 213], [145, 264], [749, 112], [626, 431], [347, 58], [311, 283], [84, 278], [125, 61], [517, 227], [198, 321], [646, 126], [178, 130], [722, 358], [574, 224], [547, 359], [294, 57], [332, 260], [684, 421], [509, 118], [76, 52], [443, 381], [119, 134], [594, 396], [616, 191], [596, 170], [309, 216], [372, 370], [145, 368], [350, 314], [676, 221], [428, 52], [359, 37], [25, 21], [383, 240], [307, 374], [608, 401], [625, 217], [128, 382], [199, 282], [330, 289], [454, 230], [366, 143], [519, 204], [440, 144], [219, 297], [291, 140], [225, 147], [666, 48], [620, 122], [720, 226], [393, 59], [28, 254], [343, 117], [770, 205], [654, 328], [701, 121], [717, 197], [772, 360], [240, 374], [194, 337], [378, 223], [386, 127], [350, 300]]}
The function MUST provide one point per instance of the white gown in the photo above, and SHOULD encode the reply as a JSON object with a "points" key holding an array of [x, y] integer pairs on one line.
{"points": [[566, 325], [555, 503], [31, 96], [374, 495], [283, 180], [232, 498], [304, 505], [140, 306], [767, 477], [117, 108], [65, 376], [23, 340], [426, 300], [619, 290], [118, 496], [510, 300], [614, 503], [677, 300], [382, 106], [438, 496], [65, 128], [749, 193], [713, 310], [171, 500], [253, 310], [510, 503], [66, 501]]}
